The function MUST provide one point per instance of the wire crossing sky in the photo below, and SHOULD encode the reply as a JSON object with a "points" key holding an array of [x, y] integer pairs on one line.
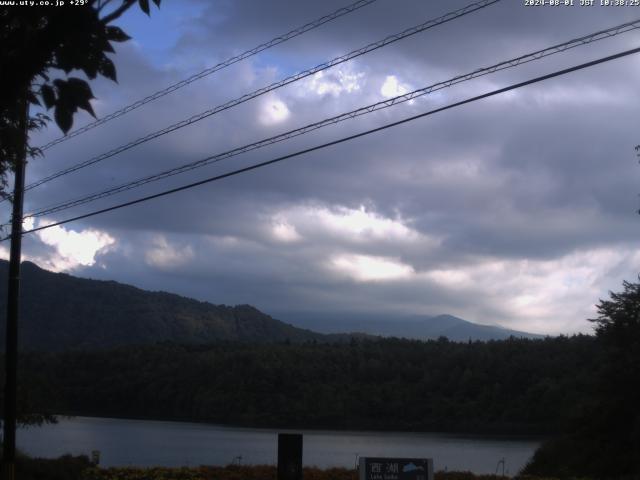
{"points": [[448, 17], [518, 211], [208, 71], [514, 62], [336, 142]]}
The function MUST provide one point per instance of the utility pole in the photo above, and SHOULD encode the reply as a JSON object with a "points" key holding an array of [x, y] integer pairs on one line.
{"points": [[13, 299]]}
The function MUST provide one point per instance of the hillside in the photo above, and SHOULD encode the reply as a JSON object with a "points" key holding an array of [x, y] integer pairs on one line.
{"points": [[59, 311], [517, 386]]}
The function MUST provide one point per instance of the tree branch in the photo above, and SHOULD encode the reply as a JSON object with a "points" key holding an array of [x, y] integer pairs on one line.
{"points": [[126, 5], [102, 4]]}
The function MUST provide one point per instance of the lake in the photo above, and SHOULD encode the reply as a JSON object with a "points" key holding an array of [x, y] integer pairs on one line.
{"points": [[158, 443]]}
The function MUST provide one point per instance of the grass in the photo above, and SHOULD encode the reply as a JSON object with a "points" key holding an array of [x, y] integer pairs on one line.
{"points": [[80, 468], [234, 472]]}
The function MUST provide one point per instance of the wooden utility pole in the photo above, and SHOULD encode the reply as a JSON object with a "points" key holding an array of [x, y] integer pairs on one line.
{"points": [[13, 301]]}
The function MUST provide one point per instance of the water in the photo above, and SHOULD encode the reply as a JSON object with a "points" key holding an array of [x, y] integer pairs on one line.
{"points": [[155, 443]]}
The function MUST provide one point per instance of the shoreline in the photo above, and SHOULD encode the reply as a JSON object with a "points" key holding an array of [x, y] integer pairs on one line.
{"points": [[129, 442], [317, 430]]}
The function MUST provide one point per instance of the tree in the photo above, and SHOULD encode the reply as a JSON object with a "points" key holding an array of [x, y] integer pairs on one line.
{"points": [[40, 43], [604, 440], [618, 395], [36, 44]]}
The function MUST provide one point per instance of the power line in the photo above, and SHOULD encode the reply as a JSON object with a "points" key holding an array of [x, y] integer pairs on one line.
{"points": [[586, 39], [339, 141], [293, 78], [208, 71]]}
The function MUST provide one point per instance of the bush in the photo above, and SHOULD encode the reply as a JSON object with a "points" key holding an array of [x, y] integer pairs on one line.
{"points": [[66, 467]]}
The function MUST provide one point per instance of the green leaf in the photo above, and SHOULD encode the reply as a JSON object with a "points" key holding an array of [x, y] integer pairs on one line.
{"points": [[144, 6], [48, 95], [64, 118], [81, 94], [106, 46], [90, 64], [86, 106], [107, 69], [32, 99], [72, 94], [65, 60], [116, 34], [80, 88]]}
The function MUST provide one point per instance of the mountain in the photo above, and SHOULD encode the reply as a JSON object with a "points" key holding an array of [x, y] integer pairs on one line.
{"points": [[415, 327], [59, 312]]}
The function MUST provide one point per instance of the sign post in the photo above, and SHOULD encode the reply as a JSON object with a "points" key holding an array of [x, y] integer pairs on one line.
{"points": [[289, 456], [379, 468]]}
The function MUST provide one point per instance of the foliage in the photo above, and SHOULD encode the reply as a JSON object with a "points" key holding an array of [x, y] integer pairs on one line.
{"points": [[66, 467], [80, 468], [259, 472], [93, 314], [39, 48], [512, 386], [63, 468], [29, 413], [604, 440]]}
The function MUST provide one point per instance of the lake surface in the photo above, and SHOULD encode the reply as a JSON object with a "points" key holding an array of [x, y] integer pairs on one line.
{"points": [[156, 443]]}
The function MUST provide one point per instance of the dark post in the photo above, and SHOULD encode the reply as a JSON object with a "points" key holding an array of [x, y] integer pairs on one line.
{"points": [[289, 456], [11, 348]]}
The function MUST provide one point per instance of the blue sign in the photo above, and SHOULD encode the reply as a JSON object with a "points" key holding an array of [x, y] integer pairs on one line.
{"points": [[379, 468]]}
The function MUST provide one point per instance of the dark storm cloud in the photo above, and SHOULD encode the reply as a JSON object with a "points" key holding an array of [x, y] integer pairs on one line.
{"points": [[514, 209]]}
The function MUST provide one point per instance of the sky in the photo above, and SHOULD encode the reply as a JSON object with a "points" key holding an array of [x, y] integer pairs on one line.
{"points": [[519, 210]]}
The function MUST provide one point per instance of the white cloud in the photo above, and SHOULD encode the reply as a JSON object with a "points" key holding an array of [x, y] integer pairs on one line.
{"points": [[392, 87], [356, 225], [273, 111], [333, 82], [450, 278], [164, 255], [513, 175], [550, 296], [366, 268], [361, 224], [555, 95], [285, 232], [72, 249], [28, 223]]}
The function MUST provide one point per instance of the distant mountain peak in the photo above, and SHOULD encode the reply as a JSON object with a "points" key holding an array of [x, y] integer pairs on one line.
{"points": [[61, 311], [420, 327]]}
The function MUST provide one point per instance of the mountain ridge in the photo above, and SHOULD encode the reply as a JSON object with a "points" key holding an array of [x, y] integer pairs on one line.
{"points": [[60, 311], [407, 326]]}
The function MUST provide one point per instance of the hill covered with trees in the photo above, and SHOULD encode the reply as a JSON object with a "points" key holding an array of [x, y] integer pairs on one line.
{"points": [[60, 311], [514, 386], [602, 439]]}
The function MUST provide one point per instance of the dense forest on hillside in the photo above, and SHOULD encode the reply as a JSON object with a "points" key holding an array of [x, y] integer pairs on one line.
{"points": [[513, 386], [61, 312]]}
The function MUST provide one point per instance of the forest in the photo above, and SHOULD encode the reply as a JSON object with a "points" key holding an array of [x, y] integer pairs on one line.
{"points": [[517, 386]]}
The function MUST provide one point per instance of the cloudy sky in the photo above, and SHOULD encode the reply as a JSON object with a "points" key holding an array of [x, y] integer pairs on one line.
{"points": [[518, 210]]}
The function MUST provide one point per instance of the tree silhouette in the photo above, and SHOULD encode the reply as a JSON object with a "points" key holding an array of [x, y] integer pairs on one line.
{"points": [[604, 439], [38, 43], [618, 331]]}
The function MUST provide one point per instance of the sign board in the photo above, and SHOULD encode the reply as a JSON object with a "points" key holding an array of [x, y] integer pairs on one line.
{"points": [[378, 468], [289, 456]]}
